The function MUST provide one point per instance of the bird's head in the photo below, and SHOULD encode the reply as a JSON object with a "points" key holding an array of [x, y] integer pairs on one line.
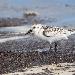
{"points": [[36, 28]]}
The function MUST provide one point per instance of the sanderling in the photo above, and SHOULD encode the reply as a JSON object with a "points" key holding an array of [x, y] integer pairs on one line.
{"points": [[51, 34]]}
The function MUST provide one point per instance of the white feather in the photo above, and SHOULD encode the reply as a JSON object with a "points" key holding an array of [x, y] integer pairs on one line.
{"points": [[51, 34]]}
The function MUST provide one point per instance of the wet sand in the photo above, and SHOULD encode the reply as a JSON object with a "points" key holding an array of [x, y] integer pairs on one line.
{"points": [[16, 55]]}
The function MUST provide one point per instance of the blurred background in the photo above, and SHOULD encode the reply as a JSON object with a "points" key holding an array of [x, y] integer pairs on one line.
{"points": [[54, 12]]}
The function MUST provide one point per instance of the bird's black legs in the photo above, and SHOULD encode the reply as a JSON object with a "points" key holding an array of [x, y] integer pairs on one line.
{"points": [[55, 48], [55, 52], [50, 47]]}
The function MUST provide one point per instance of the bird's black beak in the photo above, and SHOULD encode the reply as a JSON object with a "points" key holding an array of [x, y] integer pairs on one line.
{"points": [[29, 31]]}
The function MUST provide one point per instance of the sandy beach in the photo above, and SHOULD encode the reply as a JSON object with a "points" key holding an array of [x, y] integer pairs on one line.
{"points": [[22, 54]]}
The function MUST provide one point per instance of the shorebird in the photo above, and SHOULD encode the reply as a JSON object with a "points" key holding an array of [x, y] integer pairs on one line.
{"points": [[50, 34]]}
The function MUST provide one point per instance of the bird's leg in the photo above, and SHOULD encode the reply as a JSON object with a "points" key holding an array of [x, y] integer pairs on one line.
{"points": [[55, 48], [50, 47]]}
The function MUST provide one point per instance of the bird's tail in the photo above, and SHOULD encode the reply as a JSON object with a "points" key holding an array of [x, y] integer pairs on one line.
{"points": [[73, 32], [70, 33]]}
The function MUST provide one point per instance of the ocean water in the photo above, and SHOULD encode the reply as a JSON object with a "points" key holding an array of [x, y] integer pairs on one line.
{"points": [[13, 33]]}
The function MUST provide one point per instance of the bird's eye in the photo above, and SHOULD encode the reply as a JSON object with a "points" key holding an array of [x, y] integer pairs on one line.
{"points": [[34, 27]]}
